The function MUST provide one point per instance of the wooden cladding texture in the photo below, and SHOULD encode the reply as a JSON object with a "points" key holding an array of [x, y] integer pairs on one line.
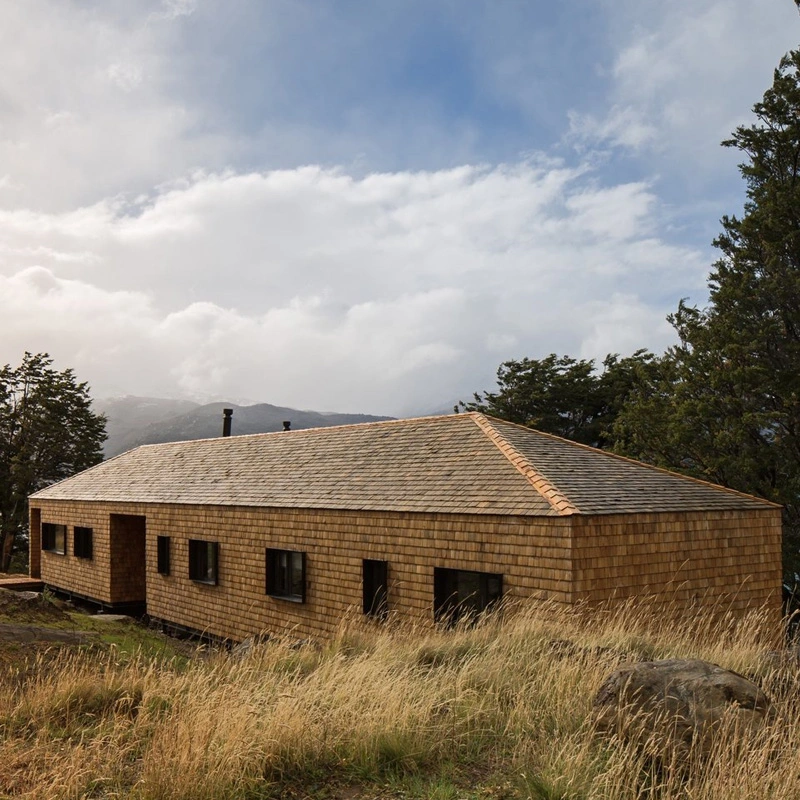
{"points": [[116, 571], [731, 559], [707, 558], [532, 554], [35, 543], [87, 577]]}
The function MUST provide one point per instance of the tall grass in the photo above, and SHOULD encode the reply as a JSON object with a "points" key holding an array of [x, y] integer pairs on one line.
{"points": [[504, 706]]}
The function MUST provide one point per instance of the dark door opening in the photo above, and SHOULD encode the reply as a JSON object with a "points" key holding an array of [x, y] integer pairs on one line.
{"points": [[460, 593], [128, 559], [376, 588]]}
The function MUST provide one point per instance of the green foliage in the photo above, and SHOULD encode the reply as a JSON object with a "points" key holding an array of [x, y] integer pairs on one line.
{"points": [[565, 396], [725, 404], [47, 433]]}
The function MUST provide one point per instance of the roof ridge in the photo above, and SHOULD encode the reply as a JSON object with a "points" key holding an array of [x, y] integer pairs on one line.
{"points": [[636, 462], [542, 485], [318, 428]]}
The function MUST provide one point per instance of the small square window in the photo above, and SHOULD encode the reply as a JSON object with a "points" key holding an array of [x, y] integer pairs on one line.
{"points": [[82, 542], [203, 560], [286, 575], [54, 538], [163, 555]]}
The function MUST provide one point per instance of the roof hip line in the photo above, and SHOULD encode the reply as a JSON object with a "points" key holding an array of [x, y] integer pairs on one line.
{"points": [[546, 489]]}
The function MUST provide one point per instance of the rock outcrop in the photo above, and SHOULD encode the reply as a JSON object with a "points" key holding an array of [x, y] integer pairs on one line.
{"points": [[678, 706]]}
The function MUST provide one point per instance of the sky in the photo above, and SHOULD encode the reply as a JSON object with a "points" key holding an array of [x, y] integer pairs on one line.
{"points": [[363, 206]]}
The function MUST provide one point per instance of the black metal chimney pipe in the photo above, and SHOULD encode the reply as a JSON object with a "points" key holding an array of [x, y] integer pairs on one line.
{"points": [[287, 424], [227, 413]]}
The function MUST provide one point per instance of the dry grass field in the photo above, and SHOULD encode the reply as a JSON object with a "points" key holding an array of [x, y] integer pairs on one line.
{"points": [[502, 710]]}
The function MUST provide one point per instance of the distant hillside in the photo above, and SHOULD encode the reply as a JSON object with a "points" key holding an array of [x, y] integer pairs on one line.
{"points": [[137, 420], [128, 416]]}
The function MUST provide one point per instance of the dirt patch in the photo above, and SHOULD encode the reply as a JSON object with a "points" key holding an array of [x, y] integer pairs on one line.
{"points": [[33, 634], [32, 608], [32, 624]]}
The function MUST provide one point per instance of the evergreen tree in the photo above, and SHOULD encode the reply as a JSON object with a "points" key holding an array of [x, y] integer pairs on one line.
{"points": [[564, 396], [47, 432], [726, 404]]}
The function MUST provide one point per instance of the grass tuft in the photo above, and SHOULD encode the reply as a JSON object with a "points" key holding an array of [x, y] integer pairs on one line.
{"points": [[499, 711]]}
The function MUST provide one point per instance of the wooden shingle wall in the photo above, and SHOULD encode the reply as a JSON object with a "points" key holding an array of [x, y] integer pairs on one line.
{"points": [[731, 559], [87, 577], [711, 558], [35, 543], [532, 555]]}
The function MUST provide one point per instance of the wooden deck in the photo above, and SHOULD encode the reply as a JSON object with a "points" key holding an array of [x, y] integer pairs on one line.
{"points": [[20, 583]]}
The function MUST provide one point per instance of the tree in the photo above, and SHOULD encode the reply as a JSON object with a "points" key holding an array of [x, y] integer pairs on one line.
{"points": [[47, 432], [726, 405], [562, 395]]}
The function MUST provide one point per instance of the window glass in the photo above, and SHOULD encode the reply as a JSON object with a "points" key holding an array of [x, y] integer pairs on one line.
{"points": [[459, 594], [54, 538], [286, 574], [375, 588], [203, 558], [163, 555], [298, 579], [82, 542]]}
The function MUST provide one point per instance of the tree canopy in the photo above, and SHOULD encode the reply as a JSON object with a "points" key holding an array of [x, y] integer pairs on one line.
{"points": [[727, 407], [564, 396], [724, 403], [48, 432]]}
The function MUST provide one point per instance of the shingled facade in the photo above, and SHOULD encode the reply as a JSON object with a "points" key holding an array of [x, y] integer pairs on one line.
{"points": [[285, 532]]}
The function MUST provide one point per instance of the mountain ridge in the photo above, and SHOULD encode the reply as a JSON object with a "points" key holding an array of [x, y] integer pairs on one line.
{"points": [[133, 421]]}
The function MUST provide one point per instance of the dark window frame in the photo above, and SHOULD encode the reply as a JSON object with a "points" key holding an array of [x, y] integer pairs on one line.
{"points": [[50, 531], [282, 568], [163, 547], [375, 588], [204, 561], [82, 542], [449, 607]]}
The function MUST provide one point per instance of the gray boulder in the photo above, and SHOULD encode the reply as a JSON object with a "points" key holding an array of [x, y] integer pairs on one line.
{"points": [[678, 706]]}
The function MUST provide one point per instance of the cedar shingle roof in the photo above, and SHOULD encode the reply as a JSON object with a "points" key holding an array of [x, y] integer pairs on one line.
{"points": [[464, 463]]}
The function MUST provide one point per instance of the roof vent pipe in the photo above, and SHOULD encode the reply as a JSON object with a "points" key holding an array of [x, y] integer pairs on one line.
{"points": [[227, 413], [287, 424]]}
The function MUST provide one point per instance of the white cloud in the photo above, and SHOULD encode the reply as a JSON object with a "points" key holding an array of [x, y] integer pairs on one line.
{"points": [[148, 238], [685, 73], [620, 324], [621, 126], [172, 9], [311, 287], [88, 106], [127, 76]]}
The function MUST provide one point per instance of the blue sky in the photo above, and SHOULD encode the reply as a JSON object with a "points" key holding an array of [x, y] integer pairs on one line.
{"points": [[362, 206], [371, 74]]}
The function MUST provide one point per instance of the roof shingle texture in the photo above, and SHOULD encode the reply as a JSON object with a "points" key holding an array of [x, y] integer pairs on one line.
{"points": [[464, 463], [601, 483]]}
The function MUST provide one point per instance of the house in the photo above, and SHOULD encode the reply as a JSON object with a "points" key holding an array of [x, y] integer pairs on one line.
{"points": [[421, 517]]}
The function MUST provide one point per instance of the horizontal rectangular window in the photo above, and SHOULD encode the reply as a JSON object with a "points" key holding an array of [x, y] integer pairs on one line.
{"points": [[460, 593], [286, 575], [82, 542], [203, 561], [163, 555], [54, 538]]}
